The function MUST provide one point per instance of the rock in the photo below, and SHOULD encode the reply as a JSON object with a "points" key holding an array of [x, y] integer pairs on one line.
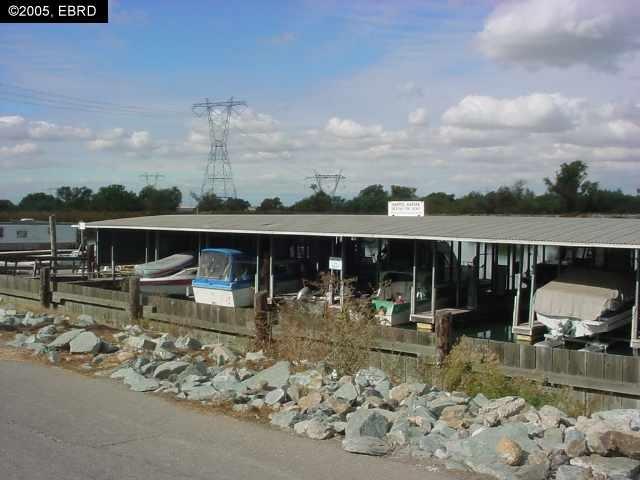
{"points": [[443, 401], [244, 373], [226, 380], [241, 408], [106, 347], [164, 355], [85, 321], [276, 376], [337, 405], [570, 472], [300, 428], [85, 342], [164, 370], [140, 383], [346, 392], [47, 334], [222, 355], [310, 401], [551, 416], [502, 408], [188, 343], [286, 419], [402, 391], [125, 356], [370, 377], [202, 392], [255, 356], [610, 434], [626, 444], [63, 340], [367, 423], [275, 396], [19, 341], [366, 446], [141, 342], [8, 323], [319, 430], [510, 452], [31, 321], [309, 380], [480, 400], [53, 357], [609, 467], [455, 416], [552, 439], [122, 372], [621, 419]]}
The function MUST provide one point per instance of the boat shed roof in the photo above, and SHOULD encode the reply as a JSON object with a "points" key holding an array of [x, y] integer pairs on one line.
{"points": [[540, 230]]}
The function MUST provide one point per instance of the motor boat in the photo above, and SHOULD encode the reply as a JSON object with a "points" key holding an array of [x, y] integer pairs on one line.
{"points": [[165, 266], [176, 284], [583, 302], [225, 277]]}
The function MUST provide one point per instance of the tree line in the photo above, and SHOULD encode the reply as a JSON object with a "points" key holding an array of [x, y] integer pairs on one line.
{"points": [[568, 192]]}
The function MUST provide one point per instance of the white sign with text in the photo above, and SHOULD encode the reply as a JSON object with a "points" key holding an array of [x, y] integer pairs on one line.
{"points": [[406, 209]]}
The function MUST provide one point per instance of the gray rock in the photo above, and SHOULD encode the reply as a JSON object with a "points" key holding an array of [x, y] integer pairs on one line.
{"points": [[202, 392], [367, 423], [53, 357], [255, 356], [618, 468], [30, 321], [480, 400], [122, 373], [8, 322], [164, 370], [575, 444], [552, 416], [501, 409], [366, 446], [286, 419], [164, 355], [319, 430], [346, 392], [47, 334], [370, 377], [222, 355], [226, 380], [63, 340], [85, 321], [37, 348], [140, 383], [570, 472], [276, 376], [188, 343], [19, 341], [552, 439], [85, 342], [141, 342], [244, 373], [275, 396], [310, 379], [430, 443]]}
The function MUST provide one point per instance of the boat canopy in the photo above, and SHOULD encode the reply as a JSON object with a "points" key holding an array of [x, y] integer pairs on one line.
{"points": [[165, 266], [227, 265]]}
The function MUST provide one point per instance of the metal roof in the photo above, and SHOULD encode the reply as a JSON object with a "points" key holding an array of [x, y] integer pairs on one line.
{"points": [[568, 231]]}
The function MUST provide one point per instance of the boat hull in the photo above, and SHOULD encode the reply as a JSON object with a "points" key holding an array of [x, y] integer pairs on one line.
{"points": [[224, 297], [568, 327]]}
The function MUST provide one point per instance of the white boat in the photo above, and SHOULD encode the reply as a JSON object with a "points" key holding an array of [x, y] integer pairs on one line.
{"points": [[175, 284], [165, 266], [584, 302], [225, 278]]}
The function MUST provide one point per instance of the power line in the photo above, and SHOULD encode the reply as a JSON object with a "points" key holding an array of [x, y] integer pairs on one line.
{"points": [[218, 176], [326, 183], [151, 178]]}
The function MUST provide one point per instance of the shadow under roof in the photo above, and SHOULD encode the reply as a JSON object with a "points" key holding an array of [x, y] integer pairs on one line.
{"points": [[540, 230]]}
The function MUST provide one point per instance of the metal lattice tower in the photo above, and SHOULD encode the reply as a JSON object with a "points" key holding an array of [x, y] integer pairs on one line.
{"points": [[332, 181], [151, 179], [218, 177]]}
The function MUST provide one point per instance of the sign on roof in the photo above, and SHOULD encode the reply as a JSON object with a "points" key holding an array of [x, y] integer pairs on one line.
{"points": [[406, 209]]}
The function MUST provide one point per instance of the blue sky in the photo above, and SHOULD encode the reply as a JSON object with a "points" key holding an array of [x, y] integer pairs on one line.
{"points": [[441, 95]]}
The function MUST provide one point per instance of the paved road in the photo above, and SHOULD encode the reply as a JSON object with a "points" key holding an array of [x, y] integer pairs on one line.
{"points": [[56, 424]]}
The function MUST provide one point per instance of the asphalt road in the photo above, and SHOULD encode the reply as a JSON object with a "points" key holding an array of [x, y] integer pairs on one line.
{"points": [[56, 424]]}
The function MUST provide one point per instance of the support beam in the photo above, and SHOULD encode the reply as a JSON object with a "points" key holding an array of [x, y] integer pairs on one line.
{"points": [[343, 249], [156, 254], [434, 262], [113, 260], [54, 246], [518, 288], [532, 285], [476, 278], [451, 255], [146, 246], [413, 277], [635, 343], [256, 285], [97, 260], [459, 274], [271, 292], [484, 264], [378, 262]]}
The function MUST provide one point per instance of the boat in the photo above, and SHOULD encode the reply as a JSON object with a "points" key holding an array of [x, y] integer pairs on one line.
{"points": [[583, 302], [165, 266], [225, 277], [176, 284]]}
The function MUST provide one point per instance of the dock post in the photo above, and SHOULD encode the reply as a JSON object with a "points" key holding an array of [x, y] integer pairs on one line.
{"points": [[146, 246], [271, 292], [256, 280], [532, 286], [635, 343], [135, 308], [342, 255], [444, 336], [113, 261], [378, 263], [54, 246], [459, 274], [45, 287], [157, 246], [261, 319], [517, 286]]}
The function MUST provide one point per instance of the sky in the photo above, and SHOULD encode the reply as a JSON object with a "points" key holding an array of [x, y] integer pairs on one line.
{"points": [[443, 95]]}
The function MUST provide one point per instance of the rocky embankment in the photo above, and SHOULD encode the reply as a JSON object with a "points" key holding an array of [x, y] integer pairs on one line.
{"points": [[367, 412]]}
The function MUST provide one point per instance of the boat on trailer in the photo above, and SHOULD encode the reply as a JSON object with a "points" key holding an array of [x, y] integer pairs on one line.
{"points": [[583, 302], [165, 266], [225, 277], [175, 284]]}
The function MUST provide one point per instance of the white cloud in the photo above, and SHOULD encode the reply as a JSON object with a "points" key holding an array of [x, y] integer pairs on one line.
{"points": [[41, 130], [135, 142], [418, 117], [19, 150], [538, 112], [562, 33], [410, 89], [346, 128]]}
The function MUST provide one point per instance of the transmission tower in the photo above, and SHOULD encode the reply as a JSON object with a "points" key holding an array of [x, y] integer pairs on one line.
{"points": [[151, 179], [326, 183], [218, 177]]}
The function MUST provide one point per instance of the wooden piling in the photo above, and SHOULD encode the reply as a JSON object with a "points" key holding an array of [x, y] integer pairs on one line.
{"points": [[45, 287], [263, 330], [444, 336], [135, 308]]}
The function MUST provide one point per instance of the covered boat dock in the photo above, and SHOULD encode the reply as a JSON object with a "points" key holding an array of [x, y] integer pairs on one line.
{"points": [[434, 262]]}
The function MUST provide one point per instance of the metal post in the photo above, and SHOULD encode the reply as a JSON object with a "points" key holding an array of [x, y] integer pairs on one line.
{"points": [[157, 246], [413, 278], [518, 288], [257, 275], [199, 245], [509, 268], [476, 277], [97, 259], [271, 292], [532, 286], [434, 261], [146, 246], [54, 246], [634, 317], [450, 262], [484, 264], [459, 274], [342, 255], [113, 261], [378, 263]]}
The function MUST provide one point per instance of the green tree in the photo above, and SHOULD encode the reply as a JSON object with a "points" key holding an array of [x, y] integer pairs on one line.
{"points": [[568, 183], [271, 205], [115, 198], [371, 199], [236, 205], [6, 205], [317, 202], [160, 200], [39, 201], [398, 192], [208, 202], [439, 202], [74, 198]]}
